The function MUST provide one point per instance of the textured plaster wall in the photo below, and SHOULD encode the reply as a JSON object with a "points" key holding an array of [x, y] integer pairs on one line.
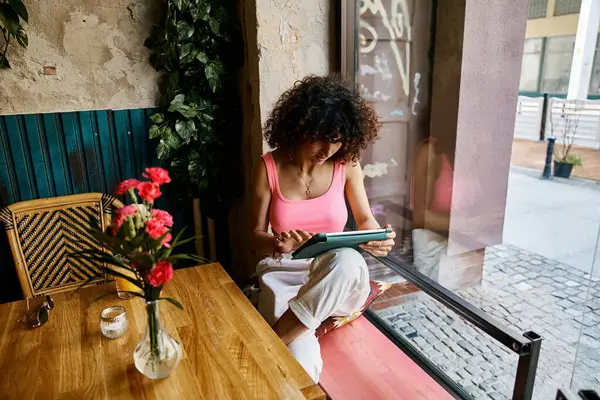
{"points": [[94, 47], [294, 39]]}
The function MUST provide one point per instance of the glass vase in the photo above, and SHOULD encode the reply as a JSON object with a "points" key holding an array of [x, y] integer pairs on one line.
{"points": [[158, 353]]}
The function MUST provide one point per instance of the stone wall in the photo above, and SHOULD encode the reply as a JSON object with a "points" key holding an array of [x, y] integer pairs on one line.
{"points": [[82, 55]]}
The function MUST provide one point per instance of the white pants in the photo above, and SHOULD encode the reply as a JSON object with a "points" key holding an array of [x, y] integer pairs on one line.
{"points": [[429, 249], [334, 283]]}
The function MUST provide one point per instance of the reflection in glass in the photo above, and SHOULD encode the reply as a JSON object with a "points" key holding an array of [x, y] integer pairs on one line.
{"points": [[557, 64]]}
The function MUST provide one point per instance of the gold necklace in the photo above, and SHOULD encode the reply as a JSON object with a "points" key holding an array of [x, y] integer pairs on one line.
{"points": [[306, 184]]}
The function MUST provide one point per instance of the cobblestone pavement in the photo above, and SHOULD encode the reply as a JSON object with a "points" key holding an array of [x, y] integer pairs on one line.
{"points": [[526, 292]]}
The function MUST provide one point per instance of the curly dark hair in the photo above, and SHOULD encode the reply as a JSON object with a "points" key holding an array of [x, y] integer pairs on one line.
{"points": [[326, 109]]}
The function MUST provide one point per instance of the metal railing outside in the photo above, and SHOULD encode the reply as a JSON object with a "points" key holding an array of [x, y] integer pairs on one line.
{"points": [[526, 346]]}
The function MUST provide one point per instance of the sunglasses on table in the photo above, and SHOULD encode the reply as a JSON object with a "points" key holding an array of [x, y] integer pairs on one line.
{"points": [[40, 315]]}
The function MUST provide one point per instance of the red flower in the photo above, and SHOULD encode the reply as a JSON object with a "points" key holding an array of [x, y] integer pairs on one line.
{"points": [[157, 175], [126, 185], [166, 240], [149, 191], [121, 215], [155, 228], [162, 216], [160, 274]]}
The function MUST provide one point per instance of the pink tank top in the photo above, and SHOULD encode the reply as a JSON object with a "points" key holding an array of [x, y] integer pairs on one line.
{"points": [[324, 214], [442, 188]]}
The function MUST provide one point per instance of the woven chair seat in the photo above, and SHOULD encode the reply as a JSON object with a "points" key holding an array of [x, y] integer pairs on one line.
{"points": [[42, 233]]}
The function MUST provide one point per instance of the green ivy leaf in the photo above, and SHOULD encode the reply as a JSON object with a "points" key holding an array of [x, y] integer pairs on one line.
{"points": [[155, 132], [188, 111], [197, 13], [20, 9], [188, 53], [163, 150], [157, 118], [185, 129], [9, 19], [157, 36], [213, 72], [196, 170], [184, 30], [4, 64], [179, 99], [173, 141], [221, 14], [181, 5], [22, 38], [201, 56], [214, 25]]}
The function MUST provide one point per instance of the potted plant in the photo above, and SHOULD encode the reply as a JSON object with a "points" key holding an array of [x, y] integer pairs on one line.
{"points": [[564, 128]]}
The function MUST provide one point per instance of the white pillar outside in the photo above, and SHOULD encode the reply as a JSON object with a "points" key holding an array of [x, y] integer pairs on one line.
{"points": [[585, 46]]}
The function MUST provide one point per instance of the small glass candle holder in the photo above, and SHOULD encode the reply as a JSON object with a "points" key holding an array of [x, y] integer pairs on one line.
{"points": [[113, 322]]}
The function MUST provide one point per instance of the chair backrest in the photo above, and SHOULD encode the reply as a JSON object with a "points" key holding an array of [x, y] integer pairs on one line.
{"points": [[42, 233]]}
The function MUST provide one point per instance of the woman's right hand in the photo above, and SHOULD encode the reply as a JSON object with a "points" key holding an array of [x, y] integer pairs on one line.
{"points": [[289, 241]]}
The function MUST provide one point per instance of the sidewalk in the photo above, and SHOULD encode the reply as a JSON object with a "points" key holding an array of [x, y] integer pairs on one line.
{"points": [[531, 154]]}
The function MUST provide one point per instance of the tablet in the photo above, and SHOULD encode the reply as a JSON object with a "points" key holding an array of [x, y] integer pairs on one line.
{"points": [[323, 242]]}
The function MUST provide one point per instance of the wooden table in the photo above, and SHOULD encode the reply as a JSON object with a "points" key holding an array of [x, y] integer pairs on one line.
{"points": [[229, 351]]}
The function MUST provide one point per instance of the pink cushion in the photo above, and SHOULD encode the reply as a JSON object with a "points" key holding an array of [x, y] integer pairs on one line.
{"points": [[359, 362]]}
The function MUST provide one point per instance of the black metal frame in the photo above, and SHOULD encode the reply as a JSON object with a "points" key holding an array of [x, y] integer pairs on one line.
{"points": [[527, 345]]}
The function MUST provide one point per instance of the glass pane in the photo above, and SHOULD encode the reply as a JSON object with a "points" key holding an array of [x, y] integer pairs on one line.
{"points": [[595, 78], [587, 359], [530, 68], [533, 275], [537, 8], [557, 64], [393, 73], [563, 7]]}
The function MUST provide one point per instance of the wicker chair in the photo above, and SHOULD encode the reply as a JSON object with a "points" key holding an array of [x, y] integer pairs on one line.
{"points": [[42, 233]]}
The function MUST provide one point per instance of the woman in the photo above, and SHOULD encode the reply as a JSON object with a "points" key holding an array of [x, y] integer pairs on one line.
{"points": [[317, 128], [430, 202]]}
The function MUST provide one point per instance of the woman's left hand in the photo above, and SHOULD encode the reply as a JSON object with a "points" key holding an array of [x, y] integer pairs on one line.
{"points": [[380, 248]]}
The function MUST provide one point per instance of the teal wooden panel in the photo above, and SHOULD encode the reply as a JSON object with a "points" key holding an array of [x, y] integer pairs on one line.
{"points": [[38, 158], [56, 152], [124, 144], [45, 155], [8, 184], [75, 161], [108, 155], [17, 149]]}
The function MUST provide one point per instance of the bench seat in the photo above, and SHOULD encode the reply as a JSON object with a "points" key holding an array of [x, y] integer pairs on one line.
{"points": [[359, 362]]}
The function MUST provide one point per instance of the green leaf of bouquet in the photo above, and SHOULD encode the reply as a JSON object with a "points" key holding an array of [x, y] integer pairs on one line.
{"points": [[123, 276], [172, 301]]}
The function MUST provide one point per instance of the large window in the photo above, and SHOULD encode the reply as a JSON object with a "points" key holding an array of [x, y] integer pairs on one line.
{"points": [[530, 69], [558, 57], [537, 275]]}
